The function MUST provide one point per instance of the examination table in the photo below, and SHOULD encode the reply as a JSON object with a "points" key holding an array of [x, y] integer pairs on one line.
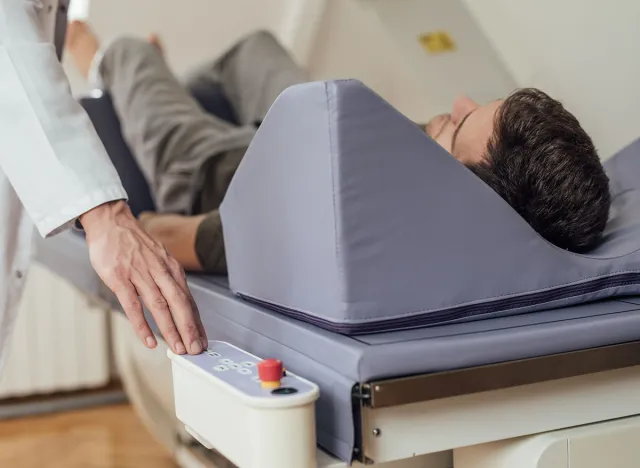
{"points": [[422, 358]]}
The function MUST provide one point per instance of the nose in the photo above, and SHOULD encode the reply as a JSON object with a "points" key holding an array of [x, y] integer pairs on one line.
{"points": [[462, 106]]}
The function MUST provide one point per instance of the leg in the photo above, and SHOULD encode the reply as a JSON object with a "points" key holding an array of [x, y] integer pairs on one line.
{"points": [[252, 75], [168, 133]]}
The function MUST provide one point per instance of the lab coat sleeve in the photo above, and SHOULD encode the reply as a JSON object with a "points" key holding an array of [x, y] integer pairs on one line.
{"points": [[49, 149]]}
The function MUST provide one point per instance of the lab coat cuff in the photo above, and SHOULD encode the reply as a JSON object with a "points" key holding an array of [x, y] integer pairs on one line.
{"points": [[66, 217]]}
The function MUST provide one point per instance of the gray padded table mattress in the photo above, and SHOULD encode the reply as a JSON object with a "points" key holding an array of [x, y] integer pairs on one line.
{"points": [[337, 363]]}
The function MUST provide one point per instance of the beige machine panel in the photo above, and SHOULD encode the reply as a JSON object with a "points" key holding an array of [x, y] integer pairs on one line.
{"points": [[613, 444], [615, 447]]}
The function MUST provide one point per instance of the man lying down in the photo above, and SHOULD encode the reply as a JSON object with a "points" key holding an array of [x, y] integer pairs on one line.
{"points": [[526, 147]]}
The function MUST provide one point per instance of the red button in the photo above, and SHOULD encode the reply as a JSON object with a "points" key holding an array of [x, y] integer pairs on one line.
{"points": [[270, 370]]}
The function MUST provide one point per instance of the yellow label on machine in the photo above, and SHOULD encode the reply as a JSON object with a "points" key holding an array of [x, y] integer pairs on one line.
{"points": [[437, 42]]}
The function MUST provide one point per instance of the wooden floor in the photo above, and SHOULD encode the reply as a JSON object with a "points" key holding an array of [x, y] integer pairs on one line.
{"points": [[108, 437]]}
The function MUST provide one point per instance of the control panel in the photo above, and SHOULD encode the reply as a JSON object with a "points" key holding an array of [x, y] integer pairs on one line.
{"points": [[251, 410], [255, 377]]}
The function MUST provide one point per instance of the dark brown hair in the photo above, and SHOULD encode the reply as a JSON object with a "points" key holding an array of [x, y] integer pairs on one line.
{"points": [[546, 167]]}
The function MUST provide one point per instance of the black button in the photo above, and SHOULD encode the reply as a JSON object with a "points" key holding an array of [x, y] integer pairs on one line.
{"points": [[18, 274], [285, 391]]}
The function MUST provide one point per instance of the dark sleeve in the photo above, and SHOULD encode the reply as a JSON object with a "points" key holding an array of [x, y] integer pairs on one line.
{"points": [[210, 244]]}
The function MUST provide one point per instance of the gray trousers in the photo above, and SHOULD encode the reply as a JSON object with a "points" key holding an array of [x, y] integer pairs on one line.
{"points": [[172, 138]]}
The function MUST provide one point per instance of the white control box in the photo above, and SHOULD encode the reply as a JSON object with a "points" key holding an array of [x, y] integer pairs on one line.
{"points": [[220, 400]]}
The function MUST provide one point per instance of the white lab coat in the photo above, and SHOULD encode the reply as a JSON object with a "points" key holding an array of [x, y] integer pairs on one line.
{"points": [[53, 167]]}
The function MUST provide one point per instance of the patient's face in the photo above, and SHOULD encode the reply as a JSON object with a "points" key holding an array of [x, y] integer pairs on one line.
{"points": [[465, 132]]}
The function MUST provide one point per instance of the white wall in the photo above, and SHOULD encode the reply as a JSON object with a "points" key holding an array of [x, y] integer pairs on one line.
{"points": [[583, 52], [376, 41], [192, 30], [373, 40]]}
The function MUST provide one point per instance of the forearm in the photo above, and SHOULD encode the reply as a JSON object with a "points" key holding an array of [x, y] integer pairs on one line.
{"points": [[178, 235]]}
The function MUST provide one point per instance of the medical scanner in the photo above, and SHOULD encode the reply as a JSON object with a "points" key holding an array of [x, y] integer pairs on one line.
{"points": [[384, 307]]}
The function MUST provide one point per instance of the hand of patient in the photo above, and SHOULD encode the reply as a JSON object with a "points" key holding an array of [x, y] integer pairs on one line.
{"points": [[177, 234], [135, 266]]}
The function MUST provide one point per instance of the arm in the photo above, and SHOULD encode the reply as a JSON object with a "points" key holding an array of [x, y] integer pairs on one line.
{"points": [[50, 151], [177, 234], [59, 169], [197, 242]]}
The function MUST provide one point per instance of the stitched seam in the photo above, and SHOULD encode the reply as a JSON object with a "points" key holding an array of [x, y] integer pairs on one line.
{"points": [[480, 302], [342, 291], [364, 328]]}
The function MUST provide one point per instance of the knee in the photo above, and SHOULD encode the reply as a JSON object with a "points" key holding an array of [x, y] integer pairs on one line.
{"points": [[262, 35], [125, 51], [262, 38], [127, 45]]}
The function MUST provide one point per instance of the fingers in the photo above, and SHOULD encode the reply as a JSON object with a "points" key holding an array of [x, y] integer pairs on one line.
{"points": [[171, 306], [160, 309], [180, 278], [182, 309], [128, 297], [162, 285], [203, 333]]}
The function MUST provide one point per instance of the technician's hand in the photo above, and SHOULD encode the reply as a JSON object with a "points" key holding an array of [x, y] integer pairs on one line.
{"points": [[134, 267]]}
